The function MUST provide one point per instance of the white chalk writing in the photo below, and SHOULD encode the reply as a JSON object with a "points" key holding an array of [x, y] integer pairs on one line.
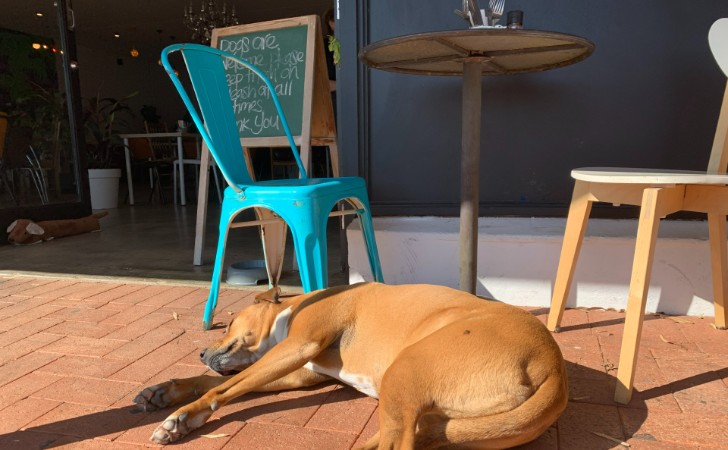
{"points": [[285, 67]]}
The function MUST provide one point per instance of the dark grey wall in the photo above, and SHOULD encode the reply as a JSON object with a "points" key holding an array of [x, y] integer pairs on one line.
{"points": [[648, 97]]}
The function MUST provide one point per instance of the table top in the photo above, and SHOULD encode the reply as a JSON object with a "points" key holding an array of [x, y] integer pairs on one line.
{"points": [[501, 51]]}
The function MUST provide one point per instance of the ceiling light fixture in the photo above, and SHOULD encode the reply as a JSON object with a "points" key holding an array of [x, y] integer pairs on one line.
{"points": [[208, 18], [39, 14]]}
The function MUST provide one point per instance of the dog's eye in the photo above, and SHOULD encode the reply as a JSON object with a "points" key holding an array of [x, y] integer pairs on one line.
{"points": [[230, 346]]}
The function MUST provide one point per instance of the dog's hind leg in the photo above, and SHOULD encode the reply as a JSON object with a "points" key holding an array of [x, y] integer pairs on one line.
{"points": [[371, 444], [403, 397], [501, 430]]}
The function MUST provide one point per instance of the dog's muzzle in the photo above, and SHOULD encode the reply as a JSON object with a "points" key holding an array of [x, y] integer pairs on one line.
{"points": [[221, 362]]}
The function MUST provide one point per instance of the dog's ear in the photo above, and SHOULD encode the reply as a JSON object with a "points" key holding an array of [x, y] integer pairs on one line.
{"points": [[272, 295], [35, 229], [11, 226]]}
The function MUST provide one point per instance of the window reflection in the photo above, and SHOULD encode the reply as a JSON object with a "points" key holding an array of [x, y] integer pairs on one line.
{"points": [[36, 161]]}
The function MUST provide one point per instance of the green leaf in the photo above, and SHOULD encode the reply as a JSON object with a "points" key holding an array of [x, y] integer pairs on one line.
{"points": [[335, 48]]}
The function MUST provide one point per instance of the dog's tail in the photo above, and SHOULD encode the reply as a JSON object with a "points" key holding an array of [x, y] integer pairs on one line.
{"points": [[507, 429], [100, 214]]}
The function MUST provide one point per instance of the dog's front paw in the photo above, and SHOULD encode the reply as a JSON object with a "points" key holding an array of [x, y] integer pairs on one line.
{"points": [[179, 425], [172, 429], [156, 397]]}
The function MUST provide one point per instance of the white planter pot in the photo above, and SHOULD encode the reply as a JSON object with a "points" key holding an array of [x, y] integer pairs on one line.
{"points": [[104, 187]]}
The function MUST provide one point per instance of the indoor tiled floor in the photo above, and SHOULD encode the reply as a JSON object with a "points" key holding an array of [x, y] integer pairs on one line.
{"points": [[74, 353]]}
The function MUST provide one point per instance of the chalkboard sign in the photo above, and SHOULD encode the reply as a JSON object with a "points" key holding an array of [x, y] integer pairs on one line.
{"points": [[291, 53], [281, 55]]}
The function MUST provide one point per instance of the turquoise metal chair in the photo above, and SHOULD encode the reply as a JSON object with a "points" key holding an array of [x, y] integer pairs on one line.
{"points": [[303, 203]]}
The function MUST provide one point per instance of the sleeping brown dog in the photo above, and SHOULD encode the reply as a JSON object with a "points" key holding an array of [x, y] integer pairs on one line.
{"points": [[24, 231], [447, 367]]}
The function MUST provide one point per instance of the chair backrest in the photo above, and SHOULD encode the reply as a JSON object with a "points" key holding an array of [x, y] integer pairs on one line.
{"points": [[140, 149], [155, 127], [189, 148], [217, 125], [718, 40]]}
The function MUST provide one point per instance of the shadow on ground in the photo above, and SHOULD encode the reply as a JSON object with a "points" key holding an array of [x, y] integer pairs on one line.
{"points": [[110, 423]]}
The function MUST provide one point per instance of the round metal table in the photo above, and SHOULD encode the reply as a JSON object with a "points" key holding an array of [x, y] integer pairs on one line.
{"points": [[471, 54]]}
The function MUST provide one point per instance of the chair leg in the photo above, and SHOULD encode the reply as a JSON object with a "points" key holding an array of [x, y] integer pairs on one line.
{"points": [[216, 273], [649, 222], [717, 233], [174, 181], [309, 238], [367, 228], [581, 203]]}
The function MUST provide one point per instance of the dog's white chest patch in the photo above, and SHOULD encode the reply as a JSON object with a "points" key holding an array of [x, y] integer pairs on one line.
{"points": [[361, 383]]}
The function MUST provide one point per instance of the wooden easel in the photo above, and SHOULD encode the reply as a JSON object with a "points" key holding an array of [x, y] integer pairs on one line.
{"points": [[317, 128]]}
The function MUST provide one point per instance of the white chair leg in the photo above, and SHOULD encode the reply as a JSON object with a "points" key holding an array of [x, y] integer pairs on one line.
{"points": [[174, 180]]}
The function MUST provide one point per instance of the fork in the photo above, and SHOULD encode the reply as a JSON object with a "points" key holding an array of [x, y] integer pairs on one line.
{"points": [[495, 11]]}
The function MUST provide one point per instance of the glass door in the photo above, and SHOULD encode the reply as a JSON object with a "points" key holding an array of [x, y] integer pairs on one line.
{"points": [[39, 104]]}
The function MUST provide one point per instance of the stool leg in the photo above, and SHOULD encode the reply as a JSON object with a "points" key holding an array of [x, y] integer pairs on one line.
{"points": [[656, 203], [581, 203], [717, 233]]}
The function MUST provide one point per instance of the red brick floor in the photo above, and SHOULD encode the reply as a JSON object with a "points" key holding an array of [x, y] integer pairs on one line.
{"points": [[73, 354]]}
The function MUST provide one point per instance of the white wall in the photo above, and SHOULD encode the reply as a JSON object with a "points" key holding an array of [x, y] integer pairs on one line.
{"points": [[517, 260]]}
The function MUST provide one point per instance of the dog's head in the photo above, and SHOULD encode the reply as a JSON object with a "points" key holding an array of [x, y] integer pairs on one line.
{"points": [[248, 337], [24, 231]]}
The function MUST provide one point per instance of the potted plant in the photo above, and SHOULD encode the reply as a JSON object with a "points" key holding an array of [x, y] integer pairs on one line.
{"points": [[104, 118]]}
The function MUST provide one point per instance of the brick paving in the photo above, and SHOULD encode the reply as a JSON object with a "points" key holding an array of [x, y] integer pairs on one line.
{"points": [[73, 354]]}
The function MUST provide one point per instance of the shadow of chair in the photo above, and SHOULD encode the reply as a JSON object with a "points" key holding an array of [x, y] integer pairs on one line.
{"points": [[143, 156], [658, 193], [302, 203]]}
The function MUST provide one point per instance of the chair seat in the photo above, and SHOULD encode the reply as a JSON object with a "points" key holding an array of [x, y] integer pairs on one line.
{"points": [[646, 176], [298, 188]]}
